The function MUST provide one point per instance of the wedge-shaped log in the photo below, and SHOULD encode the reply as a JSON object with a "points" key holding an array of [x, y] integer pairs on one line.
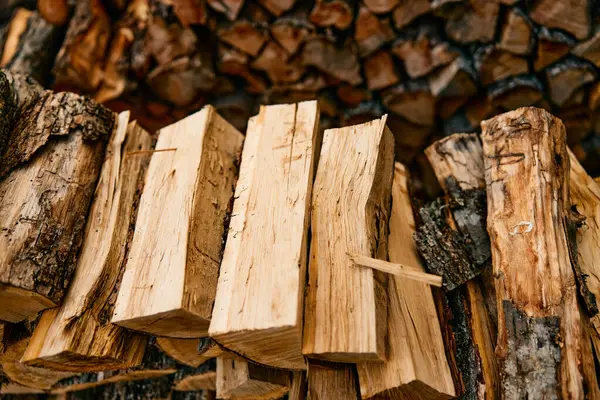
{"points": [[52, 149], [259, 302], [416, 355], [78, 336], [170, 280], [539, 327], [240, 379], [185, 351], [346, 305]]}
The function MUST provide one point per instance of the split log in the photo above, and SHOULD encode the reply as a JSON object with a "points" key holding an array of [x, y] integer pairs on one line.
{"points": [[191, 11], [208, 167], [209, 348], [422, 50], [456, 235], [407, 11], [380, 71], [455, 80], [565, 77], [495, 64], [341, 63], [381, 6], [327, 380], [517, 31], [258, 306], [530, 254], [239, 379], [48, 180], [79, 62], [157, 388], [244, 35], [299, 386], [230, 8], [275, 62], [585, 198], [184, 351], [154, 364], [412, 101], [371, 32], [590, 49], [31, 45], [277, 7], [334, 13], [293, 29], [416, 360], [202, 377], [551, 46], [78, 335], [234, 62], [476, 24], [329, 332], [572, 16], [518, 91]]}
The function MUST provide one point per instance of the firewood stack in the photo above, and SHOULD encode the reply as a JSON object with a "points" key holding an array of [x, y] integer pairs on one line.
{"points": [[201, 263], [435, 66]]}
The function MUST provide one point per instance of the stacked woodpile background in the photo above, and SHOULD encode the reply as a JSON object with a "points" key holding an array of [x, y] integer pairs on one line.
{"points": [[436, 66]]}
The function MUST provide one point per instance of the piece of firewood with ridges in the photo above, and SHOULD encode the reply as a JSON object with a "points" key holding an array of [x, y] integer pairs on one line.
{"points": [[259, 302], [184, 351], [78, 336], [197, 378], [416, 357], [328, 380], [179, 229], [47, 181], [240, 379], [350, 209], [454, 243], [539, 327]]}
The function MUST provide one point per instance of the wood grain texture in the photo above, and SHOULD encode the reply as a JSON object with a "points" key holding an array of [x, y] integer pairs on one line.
{"points": [[259, 303], [346, 306], [170, 280], [240, 379], [79, 336], [184, 351], [327, 380], [53, 153], [416, 357], [539, 327]]}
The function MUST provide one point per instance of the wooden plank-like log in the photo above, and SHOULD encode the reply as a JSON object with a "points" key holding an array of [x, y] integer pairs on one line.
{"points": [[539, 336], [240, 379], [327, 380], [258, 307], [352, 210], [416, 357], [179, 229], [47, 180], [78, 335], [184, 351]]}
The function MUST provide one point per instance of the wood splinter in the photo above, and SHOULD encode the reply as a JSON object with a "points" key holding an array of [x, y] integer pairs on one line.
{"points": [[401, 270]]}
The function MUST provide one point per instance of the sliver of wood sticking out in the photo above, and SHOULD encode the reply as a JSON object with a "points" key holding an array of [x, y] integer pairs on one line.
{"points": [[401, 270], [169, 284]]}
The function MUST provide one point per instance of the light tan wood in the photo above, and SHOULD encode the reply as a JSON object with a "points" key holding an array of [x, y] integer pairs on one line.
{"points": [[404, 271], [585, 197], [527, 178], [239, 379], [259, 303], [204, 381], [184, 351], [18, 25], [346, 307], [299, 386], [79, 337], [210, 349], [15, 388], [416, 355], [169, 284]]}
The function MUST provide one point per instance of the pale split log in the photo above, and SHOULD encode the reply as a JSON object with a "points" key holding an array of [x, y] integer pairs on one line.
{"points": [[401, 270], [416, 357], [258, 307], [184, 351], [585, 200], [78, 336], [526, 158], [362, 194], [179, 229], [240, 379], [327, 380], [48, 180]]}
